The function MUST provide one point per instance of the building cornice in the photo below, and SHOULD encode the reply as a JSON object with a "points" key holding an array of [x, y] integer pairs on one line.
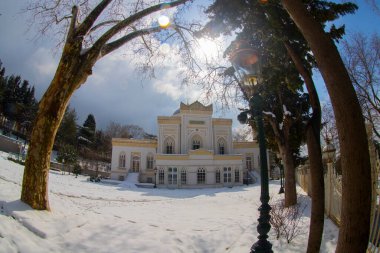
{"points": [[222, 122], [201, 152], [169, 120], [244, 144], [172, 157], [194, 155], [228, 157], [134, 143]]}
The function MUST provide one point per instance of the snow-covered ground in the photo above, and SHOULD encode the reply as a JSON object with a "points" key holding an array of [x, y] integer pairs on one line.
{"points": [[114, 217]]}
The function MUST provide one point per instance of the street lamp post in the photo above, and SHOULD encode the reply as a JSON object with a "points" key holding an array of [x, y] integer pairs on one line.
{"points": [[281, 179], [63, 166], [155, 177], [281, 174], [246, 64]]}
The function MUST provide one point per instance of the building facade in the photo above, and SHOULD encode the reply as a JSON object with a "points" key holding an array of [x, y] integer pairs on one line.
{"points": [[192, 150]]}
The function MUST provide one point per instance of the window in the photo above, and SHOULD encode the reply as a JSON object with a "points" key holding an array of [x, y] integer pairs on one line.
{"points": [[217, 176], [196, 142], [135, 163], [201, 176], [169, 145], [237, 176], [172, 176], [221, 146], [227, 175], [161, 176], [122, 160], [183, 177], [248, 162], [149, 161]]}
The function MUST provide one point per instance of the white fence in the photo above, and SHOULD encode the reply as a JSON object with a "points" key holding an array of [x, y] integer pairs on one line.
{"points": [[333, 195]]}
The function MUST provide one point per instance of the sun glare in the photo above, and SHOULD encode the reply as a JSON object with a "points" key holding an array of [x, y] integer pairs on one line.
{"points": [[207, 47], [163, 21]]}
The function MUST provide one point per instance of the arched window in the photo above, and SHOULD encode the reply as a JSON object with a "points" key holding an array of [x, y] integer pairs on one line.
{"points": [[217, 176], [149, 161], [135, 163], [122, 160], [222, 146], [201, 176], [196, 142], [169, 145]]}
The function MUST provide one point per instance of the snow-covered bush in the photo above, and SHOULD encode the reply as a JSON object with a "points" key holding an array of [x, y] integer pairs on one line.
{"points": [[287, 221]]}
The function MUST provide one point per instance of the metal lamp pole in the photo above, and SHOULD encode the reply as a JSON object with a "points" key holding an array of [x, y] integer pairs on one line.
{"points": [[155, 177], [262, 245], [281, 179], [245, 61]]}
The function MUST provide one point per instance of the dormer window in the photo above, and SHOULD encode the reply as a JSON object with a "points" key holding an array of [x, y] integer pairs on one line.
{"points": [[221, 146], [196, 142], [169, 146]]}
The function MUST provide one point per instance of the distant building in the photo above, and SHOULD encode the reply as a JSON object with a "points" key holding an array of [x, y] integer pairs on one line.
{"points": [[192, 150]]}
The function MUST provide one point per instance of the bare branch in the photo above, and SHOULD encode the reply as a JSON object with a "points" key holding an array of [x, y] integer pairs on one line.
{"points": [[72, 23], [128, 21], [91, 18], [108, 48], [109, 22]]}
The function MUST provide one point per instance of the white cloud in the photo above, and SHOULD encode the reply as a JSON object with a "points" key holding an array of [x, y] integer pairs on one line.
{"points": [[42, 62]]}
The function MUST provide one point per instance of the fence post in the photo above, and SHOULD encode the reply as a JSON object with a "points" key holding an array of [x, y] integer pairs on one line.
{"points": [[329, 188]]}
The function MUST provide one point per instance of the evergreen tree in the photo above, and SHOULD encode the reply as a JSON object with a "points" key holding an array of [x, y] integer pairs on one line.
{"points": [[268, 24], [17, 102], [68, 155], [87, 132], [67, 132]]}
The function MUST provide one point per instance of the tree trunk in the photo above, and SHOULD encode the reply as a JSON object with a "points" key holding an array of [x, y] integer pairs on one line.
{"points": [[290, 176], [313, 141], [69, 76], [356, 174], [317, 190]]}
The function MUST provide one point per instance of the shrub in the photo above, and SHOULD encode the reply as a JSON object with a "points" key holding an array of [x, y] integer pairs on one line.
{"points": [[286, 221], [77, 169]]}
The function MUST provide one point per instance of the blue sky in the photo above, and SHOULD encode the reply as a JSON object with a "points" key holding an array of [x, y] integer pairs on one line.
{"points": [[115, 92]]}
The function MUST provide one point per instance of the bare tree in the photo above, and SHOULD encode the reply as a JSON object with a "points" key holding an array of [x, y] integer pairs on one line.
{"points": [[374, 5], [362, 59], [91, 31], [329, 132]]}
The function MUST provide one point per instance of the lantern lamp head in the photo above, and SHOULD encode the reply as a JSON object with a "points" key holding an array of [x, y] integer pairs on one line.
{"points": [[246, 62]]}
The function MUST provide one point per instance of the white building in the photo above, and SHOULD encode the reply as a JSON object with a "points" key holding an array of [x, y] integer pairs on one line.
{"points": [[193, 150]]}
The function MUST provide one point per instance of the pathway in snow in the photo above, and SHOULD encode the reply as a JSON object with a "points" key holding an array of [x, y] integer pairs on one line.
{"points": [[131, 181]]}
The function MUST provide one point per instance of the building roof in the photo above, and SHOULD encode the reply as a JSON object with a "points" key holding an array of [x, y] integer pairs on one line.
{"points": [[195, 108]]}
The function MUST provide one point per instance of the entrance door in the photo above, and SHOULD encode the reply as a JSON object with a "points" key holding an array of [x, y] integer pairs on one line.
{"points": [[136, 164], [172, 176]]}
